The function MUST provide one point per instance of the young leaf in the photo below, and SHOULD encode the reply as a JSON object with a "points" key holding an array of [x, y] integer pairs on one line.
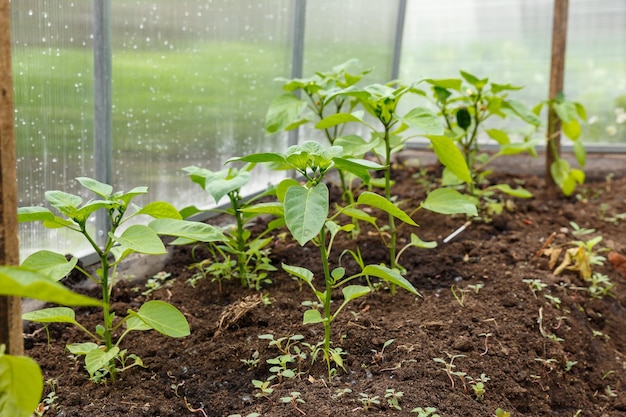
{"points": [[339, 118], [52, 264], [449, 201], [312, 317], [98, 188], [389, 275], [142, 239], [19, 282], [160, 210], [51, 315], [306, 210], [424, 120], [192, 231], [451, 157], [350, 292], [163, 317], [21, 385], [97, 359], [34, 214], [383, 204], [284, 110], [81, 348], [66, 203], [299, 272], [517, 192]]}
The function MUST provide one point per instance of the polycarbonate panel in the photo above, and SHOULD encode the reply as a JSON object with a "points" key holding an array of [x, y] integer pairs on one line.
{"points": [[596, 66], [53, 89], [192, 82], [510, 41], [337, 31]]}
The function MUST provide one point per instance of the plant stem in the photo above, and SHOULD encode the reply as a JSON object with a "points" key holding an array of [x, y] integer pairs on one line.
{"points": [[392, 224], [241, 244], [327, 298]]}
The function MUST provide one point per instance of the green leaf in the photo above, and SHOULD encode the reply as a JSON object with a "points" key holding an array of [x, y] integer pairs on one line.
{"points": [[160, 210], [193, 231], [517, 192], [127, 197], [449, 201], [258, 158], [312, 317], [424, 120], [499, 136], [580, 153], [283, 111], [473, 80], [283, 186], [98, 188], [419, 243], [520, 147], [97, 359], [135, 324], [353, 145], [66, 203], [81, 348], [571, 129], [497, 88], [447, 83], [339, 118], [20, 282], [52, 264], [566, 111], [350, 292], [560, 171], [274, 208], [390, 275], [385, 205], [141, 239], [21, 385], [163, 317], [34, 214], [299, 272], [306, 210], [451, 157], [51, 315], [523, 112]]}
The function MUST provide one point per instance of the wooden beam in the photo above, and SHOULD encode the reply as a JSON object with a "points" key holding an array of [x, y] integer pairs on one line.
{"points": [[10, 307], [557, 76]]}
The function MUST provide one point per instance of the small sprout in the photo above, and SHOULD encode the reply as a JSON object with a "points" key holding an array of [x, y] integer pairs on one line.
{"points": [[264, 388], [393, 398], [486, 336], [460, 296], [341, 392], [426, 412], [501, 413], [476, 287], [449, 366], [610, 392], [569, 365], [535, 285], [253, 362], [368, 401], [294, 399], [555, 301], [379, 356], [478, 386]]}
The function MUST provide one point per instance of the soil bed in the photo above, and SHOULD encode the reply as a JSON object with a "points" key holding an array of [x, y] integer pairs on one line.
{"points": [[542, 358]]}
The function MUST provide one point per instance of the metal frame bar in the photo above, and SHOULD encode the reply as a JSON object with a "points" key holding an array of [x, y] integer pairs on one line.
{"points": [[397, 45], [103, 139], [297, 56]]}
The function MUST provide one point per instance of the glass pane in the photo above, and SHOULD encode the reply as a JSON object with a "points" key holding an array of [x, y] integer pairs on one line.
{"points": [[510, 41], [53, 83], [191, 85]]}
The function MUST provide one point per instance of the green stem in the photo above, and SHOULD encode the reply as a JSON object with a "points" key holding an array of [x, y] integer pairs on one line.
{"points": [[392, 224], [327, 298], [241, 244]]}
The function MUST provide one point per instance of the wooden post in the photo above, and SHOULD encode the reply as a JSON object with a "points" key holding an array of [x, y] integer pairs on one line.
{"points": [[10, 307], [557, 75]]}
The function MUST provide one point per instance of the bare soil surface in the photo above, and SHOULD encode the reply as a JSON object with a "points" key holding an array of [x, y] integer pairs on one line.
{"points": [[550, 352]]}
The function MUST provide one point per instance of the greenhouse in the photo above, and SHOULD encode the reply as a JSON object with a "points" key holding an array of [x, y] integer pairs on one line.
{"points": [[291, 207]]}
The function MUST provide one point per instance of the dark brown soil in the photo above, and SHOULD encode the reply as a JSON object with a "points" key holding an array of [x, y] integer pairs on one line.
{"points": [[541, 359]]}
